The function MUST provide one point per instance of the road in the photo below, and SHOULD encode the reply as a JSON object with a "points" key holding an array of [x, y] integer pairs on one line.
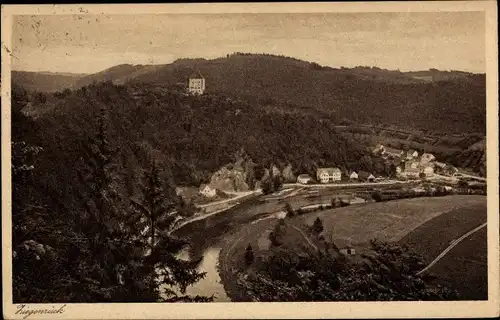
{"points": [[453, 244], [354, 184], [465, 175], [239, 195]]}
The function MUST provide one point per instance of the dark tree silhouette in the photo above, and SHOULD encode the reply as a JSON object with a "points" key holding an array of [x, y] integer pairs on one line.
{"points": [[249, 255], [317, 227]]}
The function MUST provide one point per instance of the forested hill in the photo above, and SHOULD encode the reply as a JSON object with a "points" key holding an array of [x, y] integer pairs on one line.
{"points": [[431, 100], [193, 136], [45, 81]]}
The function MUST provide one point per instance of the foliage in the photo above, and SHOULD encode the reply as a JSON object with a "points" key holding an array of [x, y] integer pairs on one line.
{"points": [[289, 210], [154, 216], [317, 227], [76, 237], [377, 195], [42, 242], [389, 273], [249, 255], [277, 235]]}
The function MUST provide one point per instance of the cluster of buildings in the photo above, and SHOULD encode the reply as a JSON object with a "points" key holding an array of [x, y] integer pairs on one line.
{"points": [[331, 175], [411, 163]]}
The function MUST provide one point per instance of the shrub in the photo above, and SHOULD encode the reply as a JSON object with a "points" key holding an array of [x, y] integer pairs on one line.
{"points": [[289, 210], [377, 196], [317, 226], [249, 255]]}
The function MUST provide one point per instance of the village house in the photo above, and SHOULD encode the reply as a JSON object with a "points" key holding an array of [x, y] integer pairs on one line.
{"points": [[392, 153], [196, 83], [208, 191], [304, 178], [398, 170], [353, 176], [379, 149], [440, 165], [428, 171], [410, 169], [411, 172], [326, 175], [366, 176], [410, 154], [427, 157]]}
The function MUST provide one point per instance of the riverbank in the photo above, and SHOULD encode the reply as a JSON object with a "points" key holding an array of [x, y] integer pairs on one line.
{"points": [[229, 204]]}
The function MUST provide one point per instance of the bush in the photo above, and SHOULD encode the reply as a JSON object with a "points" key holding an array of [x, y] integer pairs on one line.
{"points": [[317, 226], [249, 255], [377, 196], [276, 236], [289, 210]]}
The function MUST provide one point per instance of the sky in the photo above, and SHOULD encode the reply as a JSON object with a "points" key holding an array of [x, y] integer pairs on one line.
{"points": [[404, 41]]}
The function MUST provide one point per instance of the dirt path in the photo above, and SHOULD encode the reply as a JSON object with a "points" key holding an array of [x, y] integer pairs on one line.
{"points": [[453, 244], [304, 236]]}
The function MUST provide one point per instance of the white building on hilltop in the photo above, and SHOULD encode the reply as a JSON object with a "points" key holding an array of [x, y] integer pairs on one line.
{"points": [[196, 83]]}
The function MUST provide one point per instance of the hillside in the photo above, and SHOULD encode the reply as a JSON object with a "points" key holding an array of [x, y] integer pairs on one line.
{"points": [[193, 136], [438, 75], [45, 81], [454, 103]]}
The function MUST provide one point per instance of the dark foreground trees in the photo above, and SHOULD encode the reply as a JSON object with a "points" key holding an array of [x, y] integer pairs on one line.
{"points": [[387, 273], [78, 235], [154, 216]]}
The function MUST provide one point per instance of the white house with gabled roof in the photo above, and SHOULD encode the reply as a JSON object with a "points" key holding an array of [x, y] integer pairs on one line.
{"points": [[326, 175]]}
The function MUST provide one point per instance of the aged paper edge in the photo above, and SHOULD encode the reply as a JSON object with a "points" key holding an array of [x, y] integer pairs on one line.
{"points": [[488, 308]]}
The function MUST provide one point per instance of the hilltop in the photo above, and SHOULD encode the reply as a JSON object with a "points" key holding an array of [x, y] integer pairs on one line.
{"points": [[445, 101], [45, 81]]}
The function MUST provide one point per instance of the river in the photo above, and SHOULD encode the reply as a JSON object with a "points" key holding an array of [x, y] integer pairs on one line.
{"points": [[205, 236], [205, 240]]}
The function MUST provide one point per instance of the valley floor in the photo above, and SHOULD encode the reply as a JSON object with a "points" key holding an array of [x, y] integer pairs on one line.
{"points": [[426, 224]]}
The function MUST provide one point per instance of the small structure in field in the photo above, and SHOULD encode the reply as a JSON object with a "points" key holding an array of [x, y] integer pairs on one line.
{"points": [[345, 247], [353, 175], [348, 251]]}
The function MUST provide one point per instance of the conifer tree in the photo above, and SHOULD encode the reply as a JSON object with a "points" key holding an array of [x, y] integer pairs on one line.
{"points": [[249, 256], [317, 227], [165, 275], [105, 255]]}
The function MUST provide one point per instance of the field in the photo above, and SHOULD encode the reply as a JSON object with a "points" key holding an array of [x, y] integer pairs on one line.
{"points": [[465, 267], [433, 237], [388, 221], [358, 224]]}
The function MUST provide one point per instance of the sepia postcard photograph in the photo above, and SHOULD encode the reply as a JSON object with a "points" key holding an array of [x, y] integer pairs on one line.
{"points": [[250, 160]]}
